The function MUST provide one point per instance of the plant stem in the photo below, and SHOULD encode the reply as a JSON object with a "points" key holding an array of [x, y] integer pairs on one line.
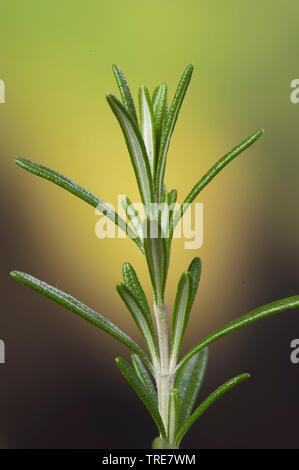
{"points": [[164, 379]]}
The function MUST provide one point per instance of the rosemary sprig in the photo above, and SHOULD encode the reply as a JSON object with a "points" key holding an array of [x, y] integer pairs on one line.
{"points": [[167, 384]]}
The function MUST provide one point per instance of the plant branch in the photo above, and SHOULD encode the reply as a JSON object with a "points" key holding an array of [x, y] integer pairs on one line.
{"points": [[164, 379]]}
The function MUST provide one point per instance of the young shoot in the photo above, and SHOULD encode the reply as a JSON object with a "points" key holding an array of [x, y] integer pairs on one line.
{"points": [[167, 382]]}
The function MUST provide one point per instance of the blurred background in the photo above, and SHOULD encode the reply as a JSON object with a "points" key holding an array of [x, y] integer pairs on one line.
{"points": [[60, 387]]}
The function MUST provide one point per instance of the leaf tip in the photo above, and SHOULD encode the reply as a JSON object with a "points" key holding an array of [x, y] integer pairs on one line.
{"points": [[119, 287], [196, 261], [18, 276], [112, 101], [241, 378], [126, 268], [118, 360], [109, 96], [20, 161], [117, 71], [259, 133], [189, 69]]}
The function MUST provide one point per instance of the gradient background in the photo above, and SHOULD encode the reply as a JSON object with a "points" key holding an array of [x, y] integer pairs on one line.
{"points": [[60, 387]]}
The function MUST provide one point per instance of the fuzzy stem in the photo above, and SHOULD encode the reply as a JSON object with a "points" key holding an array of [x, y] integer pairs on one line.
{"points": [[163, 378]]}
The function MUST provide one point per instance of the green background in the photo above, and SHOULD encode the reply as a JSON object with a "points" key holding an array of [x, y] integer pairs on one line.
{"points": [[60, 382]]}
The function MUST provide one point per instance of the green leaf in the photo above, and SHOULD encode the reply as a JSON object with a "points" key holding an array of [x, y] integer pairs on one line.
{"points": [[172, 415], [155, 249], [164, 197], [147, 125], [208, 402], [143, 322], [172, 195], [155, 94], [144, 377], [260, 313], [125, 92], [79, 309], [159, 111], [188, 382], [129, 374], [171, 199], [164, 211], [136, 149], [133, 284], [133, 217], [80, 192], [214, 170], [180, 316], [171, 121], [195, 271]]}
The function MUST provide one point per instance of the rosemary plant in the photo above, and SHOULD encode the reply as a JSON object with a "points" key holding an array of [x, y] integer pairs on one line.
{"points": [[167, 383]]}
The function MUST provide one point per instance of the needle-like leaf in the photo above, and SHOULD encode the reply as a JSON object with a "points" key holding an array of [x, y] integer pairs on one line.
{"points": [[143, 322], [188, 382], [289, 303], [171, 200], [164, 197], [144, 377], [180, 316], [133, 284], [195, 271], [218, 393], [125, 92], [155, 94], [147, 125], [160, 111], [213, 171], [171, 120], [133, 217], [79, 309], [172, 415], [173, 195], [136, 150], [74, 188], [128, 372]]}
